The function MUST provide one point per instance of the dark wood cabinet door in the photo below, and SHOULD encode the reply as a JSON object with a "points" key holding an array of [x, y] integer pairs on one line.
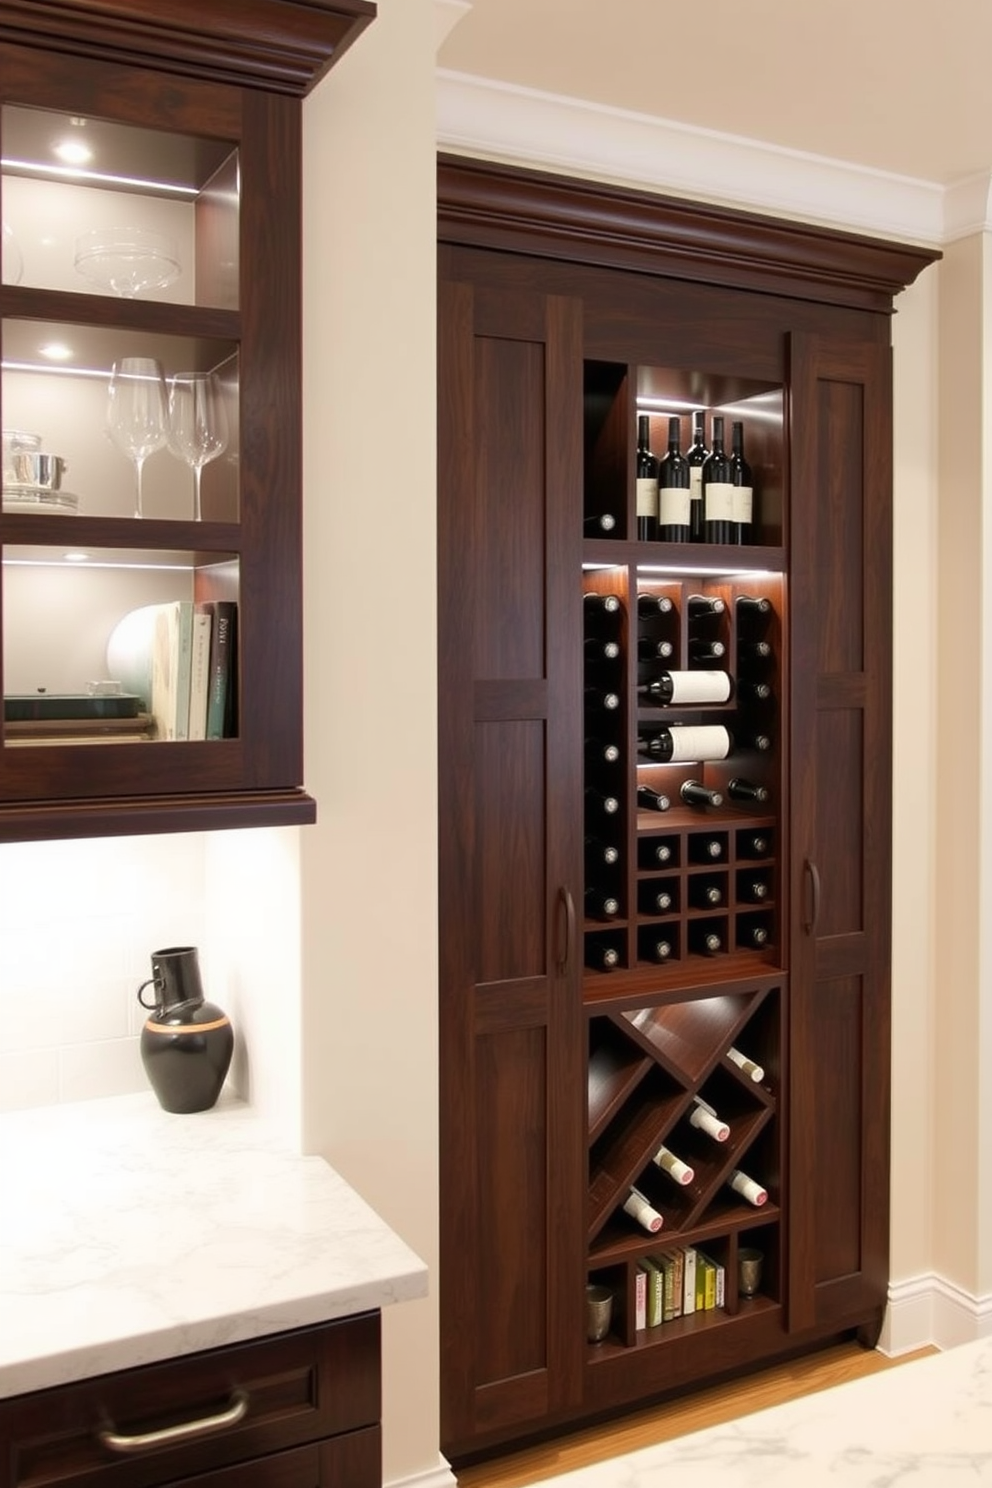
{"points": [[841, 602], [511, 1029]]}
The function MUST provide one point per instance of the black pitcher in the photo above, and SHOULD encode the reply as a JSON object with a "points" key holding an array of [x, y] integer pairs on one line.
{"points": [[187, 1043]]}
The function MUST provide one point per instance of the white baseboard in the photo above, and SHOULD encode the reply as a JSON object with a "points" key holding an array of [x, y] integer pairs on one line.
{"points": [[435, 1477], [927, 1310]]}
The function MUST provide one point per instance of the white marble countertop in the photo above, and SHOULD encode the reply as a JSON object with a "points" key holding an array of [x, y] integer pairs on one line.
{"points": [[923, 1424], [129, 1235]]}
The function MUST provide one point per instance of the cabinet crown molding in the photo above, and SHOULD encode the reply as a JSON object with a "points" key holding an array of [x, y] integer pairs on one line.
{"points": [[483, 204], [283, 46]]}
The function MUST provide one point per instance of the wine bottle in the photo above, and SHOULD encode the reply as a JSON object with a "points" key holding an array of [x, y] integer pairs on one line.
{"points": [[753, 845], [600, 905], [679, 1171], [705, 604], [695, 793], [759, 741], [754, 650], [600, 954], [674, 489], [599, 854], [649, 650], [601, 698], [751, 937], [599, 525], [702, 651], [685, 688], [649, 605], [746, 790], [601, 604], [695, 457], [746, 1065], [754, 604], [686, 743], [748, 1188], [637, 1206], [597, 649], [653, 900], [647, 483], [758, 692], [601, 752], [704, 940], [653, 852], [599, 804], [741, 480], [653, 947], [718, 490], [705, 1119], [752, 890], [704, 893], [705, 849], [652, 800]]}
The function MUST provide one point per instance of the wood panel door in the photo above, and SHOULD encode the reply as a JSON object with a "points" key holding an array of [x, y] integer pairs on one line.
{"points": [[510, 851], [841, 603]]}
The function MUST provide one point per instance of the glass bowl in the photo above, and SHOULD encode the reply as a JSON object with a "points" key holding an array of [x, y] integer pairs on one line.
{"points": [[127, 260]]}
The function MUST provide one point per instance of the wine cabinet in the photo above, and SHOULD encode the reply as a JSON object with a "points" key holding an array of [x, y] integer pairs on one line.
{"points": [[664, 832]]}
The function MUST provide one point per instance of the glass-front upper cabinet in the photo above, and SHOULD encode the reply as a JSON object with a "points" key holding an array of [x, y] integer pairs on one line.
{"points": [[150, 324]]}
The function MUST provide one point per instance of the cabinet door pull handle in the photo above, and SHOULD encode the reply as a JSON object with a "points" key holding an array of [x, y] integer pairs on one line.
{"points": [[173, 1436], [812, 873], [568, 905]]}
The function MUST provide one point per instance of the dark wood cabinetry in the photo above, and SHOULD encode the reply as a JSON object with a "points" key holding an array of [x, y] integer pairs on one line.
{"points": [[304, 1408], [761, 925], [192, 121]]}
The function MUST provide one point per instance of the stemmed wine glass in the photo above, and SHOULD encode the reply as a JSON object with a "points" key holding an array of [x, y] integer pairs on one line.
{"points": [[137, 412], [197, 423]]}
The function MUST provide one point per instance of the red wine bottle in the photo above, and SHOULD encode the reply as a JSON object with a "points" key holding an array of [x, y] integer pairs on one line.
{"points": [[754, 604], [599, 854], [647, 483], [705, 604], [701, 685], [704, 940], [600, 905], [718, 491], [753, 845], [742, 482], [601, 752], [652, 800], [654, 852], [599, 605], [654, 604], [705, 893], [695, 793], [649, 650], [599, 526], [696, 456], [601, 954], [674, 490], [653, 947], [653, 899], [598, 649], [746, 790], [686, 743]]}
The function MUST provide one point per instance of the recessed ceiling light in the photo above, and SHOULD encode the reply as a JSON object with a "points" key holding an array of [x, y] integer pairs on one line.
{"points": [[72, 151], [55, 351], [75, 557]]}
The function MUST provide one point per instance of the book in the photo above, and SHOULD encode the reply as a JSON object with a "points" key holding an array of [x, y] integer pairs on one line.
{"points": [[222, 707], [705, 1283], [689, 1280], [172, 642], [655, 1289], [199, 680], [640, 1298], [668, 1267], [678, 1265]]}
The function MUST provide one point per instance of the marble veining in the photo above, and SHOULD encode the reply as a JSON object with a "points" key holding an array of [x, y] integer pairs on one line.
{"points": [[129, 1235], [923, 1424]]}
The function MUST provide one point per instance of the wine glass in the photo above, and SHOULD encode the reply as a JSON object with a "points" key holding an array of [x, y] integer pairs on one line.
{"points": [[137, 412], [197, 423], [127, 260]]}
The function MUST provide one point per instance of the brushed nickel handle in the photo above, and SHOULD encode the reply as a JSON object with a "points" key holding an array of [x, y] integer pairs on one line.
{"points": [[812, 874], [173, 1436], [568, 905]]}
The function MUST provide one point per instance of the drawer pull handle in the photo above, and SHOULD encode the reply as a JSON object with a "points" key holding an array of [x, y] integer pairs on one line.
{"points": [[173, 1436]]}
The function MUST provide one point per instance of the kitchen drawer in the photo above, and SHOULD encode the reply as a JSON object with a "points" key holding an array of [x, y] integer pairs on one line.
{"points": [[298, 1388], [350, 1461]]}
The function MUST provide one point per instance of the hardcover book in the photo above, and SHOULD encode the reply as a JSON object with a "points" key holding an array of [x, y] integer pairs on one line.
{"points": [[172, 651], [222, 706]]}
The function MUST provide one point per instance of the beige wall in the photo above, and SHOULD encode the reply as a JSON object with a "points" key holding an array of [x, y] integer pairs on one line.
{"points": [[369, 874]]}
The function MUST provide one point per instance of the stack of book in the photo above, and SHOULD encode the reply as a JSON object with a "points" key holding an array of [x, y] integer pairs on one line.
{"points": [[674, 1283], [193, 670]]}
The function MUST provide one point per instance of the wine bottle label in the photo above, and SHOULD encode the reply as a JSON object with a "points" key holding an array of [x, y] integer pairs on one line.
{"points": [[638, 1208], [743, 503], [694, 742], [674, 503], [647, 496], [719, 498], [703, 685], [696, 482]]}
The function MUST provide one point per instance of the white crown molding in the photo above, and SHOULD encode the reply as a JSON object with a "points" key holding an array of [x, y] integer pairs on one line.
{"points": [[521, 126]]}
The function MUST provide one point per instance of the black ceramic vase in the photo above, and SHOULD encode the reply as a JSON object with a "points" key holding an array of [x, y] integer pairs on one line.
{"points": [[186, 1043]]}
